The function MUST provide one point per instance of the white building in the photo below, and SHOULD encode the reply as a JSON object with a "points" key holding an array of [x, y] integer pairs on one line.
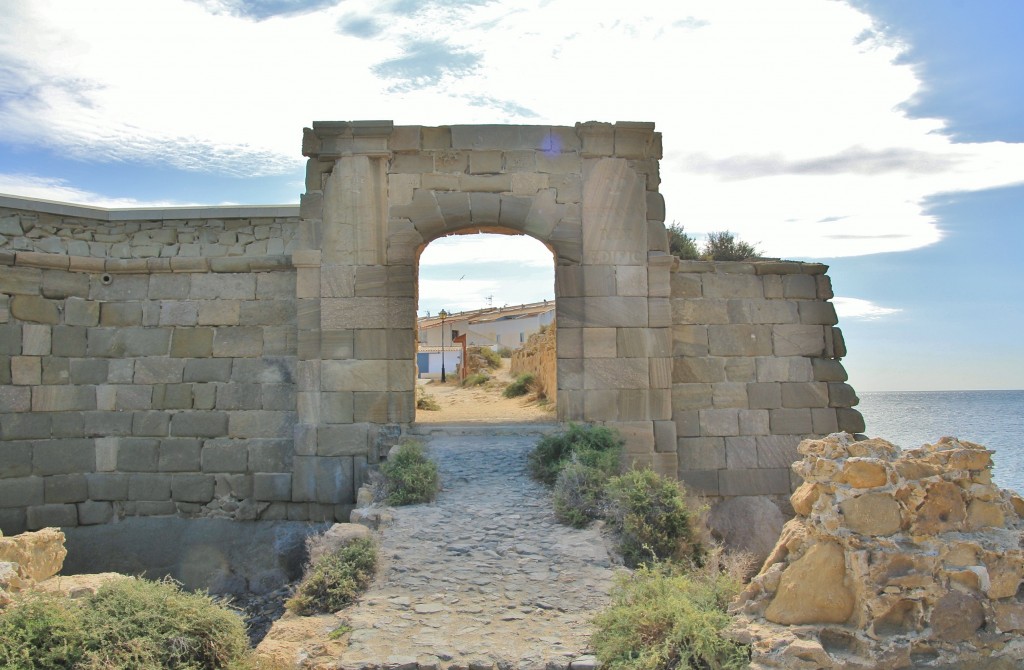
{"points": [[497, 328]]}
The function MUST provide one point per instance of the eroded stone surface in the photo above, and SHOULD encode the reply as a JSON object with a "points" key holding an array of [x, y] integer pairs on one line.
{"points": [[927, 549], [482, 577]]}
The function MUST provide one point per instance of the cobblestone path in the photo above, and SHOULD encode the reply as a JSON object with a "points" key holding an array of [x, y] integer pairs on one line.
{"points": [[482, 578]]}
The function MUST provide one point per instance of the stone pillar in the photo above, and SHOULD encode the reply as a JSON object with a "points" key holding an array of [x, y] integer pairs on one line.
{"points": [[349, 312]]}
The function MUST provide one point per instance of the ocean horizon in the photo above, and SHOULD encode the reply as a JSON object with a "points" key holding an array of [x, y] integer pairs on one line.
{"points": [[994, 419]]}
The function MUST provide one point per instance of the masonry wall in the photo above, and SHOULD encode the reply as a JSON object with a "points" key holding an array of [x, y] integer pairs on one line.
{"points": [[756, 368], [147, 367]]}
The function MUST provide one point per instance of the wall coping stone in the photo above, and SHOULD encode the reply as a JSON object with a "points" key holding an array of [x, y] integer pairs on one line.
{"points": [[148, 213]]}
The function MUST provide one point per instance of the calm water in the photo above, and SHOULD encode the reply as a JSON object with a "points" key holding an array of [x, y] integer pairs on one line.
{"points": [[992, 418]]}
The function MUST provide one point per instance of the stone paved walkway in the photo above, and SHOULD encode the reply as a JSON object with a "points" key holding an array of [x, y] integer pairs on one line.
{"points": [[482, 578]]}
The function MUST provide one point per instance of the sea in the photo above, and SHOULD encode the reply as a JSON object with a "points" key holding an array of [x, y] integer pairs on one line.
{"points": [[991, 418]]}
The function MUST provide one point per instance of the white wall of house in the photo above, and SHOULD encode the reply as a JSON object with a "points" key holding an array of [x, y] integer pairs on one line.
{"points": [[432, 369], [511, 333]]}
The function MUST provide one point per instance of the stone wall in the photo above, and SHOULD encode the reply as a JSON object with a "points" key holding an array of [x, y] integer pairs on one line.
{"points": [[755, 370], [537, 357], [158, 383], [250, 362]]}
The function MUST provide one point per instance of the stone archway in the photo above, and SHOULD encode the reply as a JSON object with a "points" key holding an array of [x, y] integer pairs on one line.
{"points": [[377, 193]]}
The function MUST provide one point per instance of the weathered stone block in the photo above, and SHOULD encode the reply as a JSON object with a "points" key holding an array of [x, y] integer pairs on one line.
{"points": [[63, 398], [265, 370], [223, 285], [777, 451], [599, 342], [26, 370], [701, 453], [214, 370], [729, 394], [107, 486], [219, 312], [179, 455], [51, 516], [91, 512], [790, 421], [192, 488], [238, 341], [219, 456], [149, 487], [272, 486], [26, 426], [344, 440], [21, 281], [841, 395], [270, 455], [68, 488], [158, 370], [354, 375], [261, 423], [740, 340], [719, 422], [34, 309], [691, 396], [751, 482], [700, 481], [804, 394], [239, 396], [127, 342], [798, 340], [687, 340], [803, 287], [80, 312], [199, 424], [616, 373], [815, 312], [689, 370]]}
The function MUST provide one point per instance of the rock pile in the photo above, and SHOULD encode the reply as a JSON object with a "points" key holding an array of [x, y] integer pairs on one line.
{"points": [[895, 559], [29, 558]]}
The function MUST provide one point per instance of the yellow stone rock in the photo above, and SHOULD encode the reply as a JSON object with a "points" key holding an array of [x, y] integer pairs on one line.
{"points": [[40, 554], [813, 589], [982, 514], [872, 514], [804, 497], [863, 474], [943, 510]]}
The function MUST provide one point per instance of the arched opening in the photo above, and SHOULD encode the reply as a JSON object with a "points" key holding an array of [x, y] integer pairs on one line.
{"points": [[485, 328]]}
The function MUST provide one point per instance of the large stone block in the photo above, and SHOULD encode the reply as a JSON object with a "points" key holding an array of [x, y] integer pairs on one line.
{"points": [[21, 281], [219, 312], [51, 516], [798, 340], [238, 342], [740, 340], [149, 486], [68, 488], [21, 492], [701, 453], [223, 285], [63, 398], [344, 440], [616, 373], [220, 456], [107, 486], [192, 488], [754, 482], [26, 426], [614, 224], [35, 309], [719, 422], [80, 312], [790, 421], [261, 423], [128, 342], [687, 370], [777, 451], [688, 340], [15, 457], [179, 455], [354, 375], [732, 286], [199, 424], [270, 455], [804, 394], [272, 486], [158, 370]]}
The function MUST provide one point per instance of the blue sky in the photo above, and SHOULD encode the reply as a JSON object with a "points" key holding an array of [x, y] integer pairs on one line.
{"points": [[884, 138]]}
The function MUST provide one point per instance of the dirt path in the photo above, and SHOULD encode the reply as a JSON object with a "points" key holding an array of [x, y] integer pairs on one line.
{"points": [[483, 403]]}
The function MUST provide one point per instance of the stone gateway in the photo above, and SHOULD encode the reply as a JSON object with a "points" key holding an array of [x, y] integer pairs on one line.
{"points": [[251, 362]]}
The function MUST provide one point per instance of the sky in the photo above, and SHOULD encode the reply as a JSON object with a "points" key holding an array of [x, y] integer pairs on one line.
{"points": [[883, 138]]}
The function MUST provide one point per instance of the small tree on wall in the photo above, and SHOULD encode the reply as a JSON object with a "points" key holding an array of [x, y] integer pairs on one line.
{"points": [[719, 246], [680, 244]]}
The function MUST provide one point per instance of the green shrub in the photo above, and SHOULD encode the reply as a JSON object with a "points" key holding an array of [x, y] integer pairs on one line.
{"points": [[504, 352], [409, 477], [336, 579], [492, 357], [595, 446], [476, 379], [128, 623], [663, 618], [578, 495], [521, 386], [652, 518]]}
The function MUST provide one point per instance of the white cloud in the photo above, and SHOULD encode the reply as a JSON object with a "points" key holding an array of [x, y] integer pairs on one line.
{"points": [[44, 188], [781, 120], [487, 248], [857, 308]]}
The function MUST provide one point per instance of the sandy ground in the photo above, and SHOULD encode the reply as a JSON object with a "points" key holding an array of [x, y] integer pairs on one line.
{"points": [[483, 403]]}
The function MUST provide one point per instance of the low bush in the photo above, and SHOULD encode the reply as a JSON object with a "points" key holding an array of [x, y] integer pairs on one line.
{"points": [[505, 352], [335, 580], [578, 495], [652, 519], [661, 617], [492, 357], [128, 623], [596, 446], [408, 476], [521, 386], [476, 379], [426, 401]]}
